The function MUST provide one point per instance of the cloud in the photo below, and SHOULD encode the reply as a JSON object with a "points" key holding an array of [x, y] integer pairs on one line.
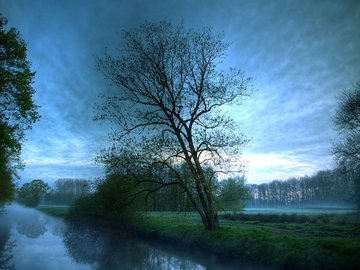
{"points": [[302, 55], [51, 172], [281, 166]]}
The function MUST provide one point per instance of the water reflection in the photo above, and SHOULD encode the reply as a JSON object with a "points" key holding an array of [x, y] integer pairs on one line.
{"points": [[111, 250], [6, 245], [30, 240], [31, 226]]}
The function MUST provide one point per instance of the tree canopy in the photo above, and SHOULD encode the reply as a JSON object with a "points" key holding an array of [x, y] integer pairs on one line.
{"points": [[347, 123], [168, 109], [233, 194], [30, 194], [17, 109]]}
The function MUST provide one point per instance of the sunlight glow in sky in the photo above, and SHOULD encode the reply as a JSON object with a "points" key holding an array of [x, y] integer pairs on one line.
{"points": [[302, 54]]}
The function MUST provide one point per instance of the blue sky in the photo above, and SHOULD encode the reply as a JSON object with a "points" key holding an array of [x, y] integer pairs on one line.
{"points": [[302, 54]]}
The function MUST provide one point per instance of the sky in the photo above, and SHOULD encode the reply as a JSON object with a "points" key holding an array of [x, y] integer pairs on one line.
{"points": [[302, 55]]}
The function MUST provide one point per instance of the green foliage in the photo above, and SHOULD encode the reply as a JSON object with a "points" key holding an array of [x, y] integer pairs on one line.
{"points": [[17, 109], [233, 194], [7, 187], [115, 201], [86, 209], [30, 194], [120, 198]]}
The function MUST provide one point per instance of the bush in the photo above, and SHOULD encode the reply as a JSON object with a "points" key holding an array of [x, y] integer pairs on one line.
{"points": [[115, 202], [85, 209]]}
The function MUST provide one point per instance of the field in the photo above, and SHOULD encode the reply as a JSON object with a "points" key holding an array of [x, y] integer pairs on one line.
{"points": [[287, 241]]}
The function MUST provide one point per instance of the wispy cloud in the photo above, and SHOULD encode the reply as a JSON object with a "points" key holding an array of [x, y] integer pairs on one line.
{"points": [[301, 53]]}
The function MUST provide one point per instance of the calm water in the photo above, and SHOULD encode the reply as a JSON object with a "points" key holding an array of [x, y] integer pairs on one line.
{"points": [[30, 240]]}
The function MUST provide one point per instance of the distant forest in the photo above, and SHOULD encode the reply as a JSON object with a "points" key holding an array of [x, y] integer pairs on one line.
{"points": [[327, 187]]}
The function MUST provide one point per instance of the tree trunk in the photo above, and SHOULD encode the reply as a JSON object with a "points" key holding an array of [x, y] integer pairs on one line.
{"points": [[210, 217], [212, 220]]}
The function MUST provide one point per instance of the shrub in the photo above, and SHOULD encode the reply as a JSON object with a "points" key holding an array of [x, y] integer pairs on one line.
{"points": [[85, 209], [115, 202]]}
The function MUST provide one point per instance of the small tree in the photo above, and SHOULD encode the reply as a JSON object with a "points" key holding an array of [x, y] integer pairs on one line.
{"points": [[233, 194], [30, 194], [115, 200], [17, 109], [169, 105], [347, 123]]}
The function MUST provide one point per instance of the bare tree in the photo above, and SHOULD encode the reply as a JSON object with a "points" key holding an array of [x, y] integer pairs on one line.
{"points": [[169, 101], [347, 123]]}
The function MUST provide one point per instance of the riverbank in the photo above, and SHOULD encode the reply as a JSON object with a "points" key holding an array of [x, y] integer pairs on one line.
{"points": [[284, 245], [57, 211]]}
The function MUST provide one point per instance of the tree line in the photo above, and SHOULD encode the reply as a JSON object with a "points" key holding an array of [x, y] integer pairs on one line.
{"points": [[231, 193], [63, 192], [326, 187]]}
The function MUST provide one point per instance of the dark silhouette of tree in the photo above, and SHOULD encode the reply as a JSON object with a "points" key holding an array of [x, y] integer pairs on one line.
{"points": [[169, 103], [17, 109], [7, 186], [347, 123], [30, 194]]}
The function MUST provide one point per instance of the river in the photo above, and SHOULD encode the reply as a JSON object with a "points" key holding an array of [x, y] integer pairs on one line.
{"points": [[30, 240]]}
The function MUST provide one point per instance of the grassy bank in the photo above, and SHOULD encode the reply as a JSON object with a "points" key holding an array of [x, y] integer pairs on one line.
{"points": [[292, 244], [285, 245], [54, 210]]}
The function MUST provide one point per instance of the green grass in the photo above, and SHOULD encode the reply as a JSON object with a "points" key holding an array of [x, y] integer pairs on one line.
{"points": [[285, 245], [54, 210]]}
